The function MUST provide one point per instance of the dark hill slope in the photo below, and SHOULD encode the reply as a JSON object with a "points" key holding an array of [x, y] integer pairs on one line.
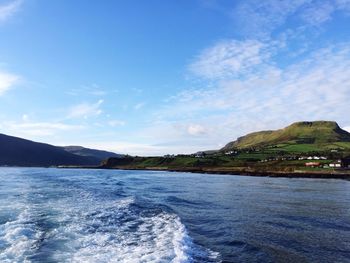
{"points": [[20, 152], [97, 154], [317, 132]]}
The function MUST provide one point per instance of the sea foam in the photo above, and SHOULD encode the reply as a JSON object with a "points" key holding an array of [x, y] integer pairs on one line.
{"points": [[122, 232], [18, 238]]}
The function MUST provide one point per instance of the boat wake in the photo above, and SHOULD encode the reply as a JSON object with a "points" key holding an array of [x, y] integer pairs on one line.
{"points": [[89, 229]]}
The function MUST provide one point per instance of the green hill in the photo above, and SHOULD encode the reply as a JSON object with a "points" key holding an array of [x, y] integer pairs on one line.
{"points": [[283, 152], [300, 136]]}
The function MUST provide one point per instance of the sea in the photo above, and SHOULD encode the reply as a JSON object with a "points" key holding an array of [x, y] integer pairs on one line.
{"points": [[86, 215]]}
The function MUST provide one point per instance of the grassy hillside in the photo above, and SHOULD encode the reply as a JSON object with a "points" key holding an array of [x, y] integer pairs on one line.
{"points": [[219, 163], [283, 150], [298, 137], [172, 162]]}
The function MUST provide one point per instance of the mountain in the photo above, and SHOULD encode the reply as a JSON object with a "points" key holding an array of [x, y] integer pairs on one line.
{"points": [[97, 154], [317, 132], [16, 151]]}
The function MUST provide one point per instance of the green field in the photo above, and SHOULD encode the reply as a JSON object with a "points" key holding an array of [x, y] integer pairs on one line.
{"points": [[309, 148], [263, 151], [298, 137]]}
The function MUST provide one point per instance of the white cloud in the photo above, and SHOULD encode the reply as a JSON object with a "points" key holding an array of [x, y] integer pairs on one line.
{"points": [[196, 129], [229, 58], [259, 18], [92, 89], [315, 88], [38, 128], [127, 147], [9, 9], [139, 105], [347, 128], [7, 81], [98, 92], [343, 5], [318, 13], [115, 123], [85, 110], [25, 117], [133, 148]]}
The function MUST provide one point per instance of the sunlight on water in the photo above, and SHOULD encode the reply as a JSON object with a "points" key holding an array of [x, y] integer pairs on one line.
{"points": [[53, 215], [70, 224]]}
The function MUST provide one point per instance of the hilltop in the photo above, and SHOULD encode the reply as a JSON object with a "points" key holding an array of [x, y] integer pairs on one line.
{"points": [[322, 135], [307, 149]]}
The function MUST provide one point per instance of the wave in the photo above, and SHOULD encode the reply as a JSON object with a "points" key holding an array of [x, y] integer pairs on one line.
{"points": [[18, 238], [66, 223], [122, 232]]}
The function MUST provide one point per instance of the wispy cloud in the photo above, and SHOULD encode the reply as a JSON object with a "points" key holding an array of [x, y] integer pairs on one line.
{"points": [[139, 105], [85, 110], [93, 89], [259, 19], [7, 81], [229, 58], [319, 12], [127, 147], [196, 129], [9, 9], [115, 123], [28, 128], [316, 87], [135, 148], [274, 73]]}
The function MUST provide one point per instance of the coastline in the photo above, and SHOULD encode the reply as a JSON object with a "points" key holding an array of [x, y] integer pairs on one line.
{"points": [[244, 172]]}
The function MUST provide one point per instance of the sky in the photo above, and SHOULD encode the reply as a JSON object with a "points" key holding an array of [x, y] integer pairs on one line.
{"points": [[156, 77]]}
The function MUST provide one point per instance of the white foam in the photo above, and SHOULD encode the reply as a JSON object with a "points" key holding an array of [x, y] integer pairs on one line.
{"points": [[18, 238], [97, 229], [110, 232]]}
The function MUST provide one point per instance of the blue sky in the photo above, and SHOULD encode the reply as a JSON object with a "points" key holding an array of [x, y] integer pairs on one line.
{"points": [[156, 77]]}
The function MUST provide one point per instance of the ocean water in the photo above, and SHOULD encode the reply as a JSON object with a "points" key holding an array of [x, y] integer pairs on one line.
{"points": [[71, 215]]}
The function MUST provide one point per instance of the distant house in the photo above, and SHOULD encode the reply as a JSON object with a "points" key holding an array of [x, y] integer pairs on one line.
{"points": [[335, 164], [313, 158], [341, 163], [200, 155], [312, 164]]}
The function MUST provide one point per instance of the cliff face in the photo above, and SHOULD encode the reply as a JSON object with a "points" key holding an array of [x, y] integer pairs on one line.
{"points": [[299, 132]]}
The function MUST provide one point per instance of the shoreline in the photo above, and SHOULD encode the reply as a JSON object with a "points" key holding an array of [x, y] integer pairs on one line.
{"points": [[345, 174], [277, 174]]}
